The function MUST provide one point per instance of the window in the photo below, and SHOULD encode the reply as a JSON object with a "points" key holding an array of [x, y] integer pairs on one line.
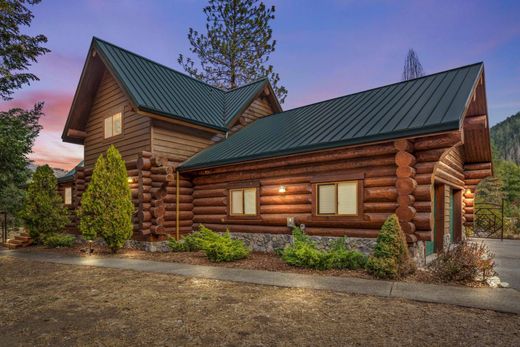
{"points": [[243, 202], [337, 198], [68, 195], [113, 125]]}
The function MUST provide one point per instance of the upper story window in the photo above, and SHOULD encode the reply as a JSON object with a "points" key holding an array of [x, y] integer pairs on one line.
{"points": [[67, 196], [243, 202], [113, 125], [337, 198]]}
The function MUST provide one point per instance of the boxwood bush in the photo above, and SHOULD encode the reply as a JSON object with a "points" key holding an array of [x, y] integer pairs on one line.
{"points": [[217, 247], [304, 253]]}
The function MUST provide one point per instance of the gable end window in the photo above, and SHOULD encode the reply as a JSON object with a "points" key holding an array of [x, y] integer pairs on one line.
{"points": [[67, 196], [243, 202], [113, 125], [337, 199]]}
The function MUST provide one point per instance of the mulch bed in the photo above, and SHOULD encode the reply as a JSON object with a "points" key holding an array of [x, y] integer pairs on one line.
{"points": [[255, 261]]}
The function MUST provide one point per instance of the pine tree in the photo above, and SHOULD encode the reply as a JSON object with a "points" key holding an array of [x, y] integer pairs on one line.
{"points": [[106, 206], [237, 46], [43, 212], [412, 66]]}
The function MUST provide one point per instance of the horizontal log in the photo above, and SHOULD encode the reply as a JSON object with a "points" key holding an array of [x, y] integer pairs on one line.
{"points": [[388, 207], [295, 208], [210, 202], [182, 223], [423, 193], [405, 200], [170, 198], [430, 155], [405, 171], [161, 170], [422, 221], [144, 163], [380, 194], [284, 180], [301, 188], [132, 173], [379, 182], [182, 190], [169, 215], [162, 178], [478, 166], [438, 141], [426, 167], [423, 206], [285, 199], [405, 185], [183, 206], [407, 227], [209, 193], [424, 235], [403, 145], [477, 174], [210, 210], [131, 164], [405, 213], [424, 179]]}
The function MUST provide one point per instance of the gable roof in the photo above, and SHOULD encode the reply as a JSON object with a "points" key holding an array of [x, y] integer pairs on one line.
{"points": [[158, 89], [429, 104], [69, 176]]}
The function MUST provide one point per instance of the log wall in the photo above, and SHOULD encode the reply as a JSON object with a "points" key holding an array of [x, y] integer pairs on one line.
{"points": [[135, 136]]}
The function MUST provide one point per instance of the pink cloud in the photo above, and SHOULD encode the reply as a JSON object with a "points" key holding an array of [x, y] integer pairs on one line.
{"points": [[49, 149]]}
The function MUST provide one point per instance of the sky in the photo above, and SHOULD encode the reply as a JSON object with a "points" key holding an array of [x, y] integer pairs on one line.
{"points": [[324, 49]]}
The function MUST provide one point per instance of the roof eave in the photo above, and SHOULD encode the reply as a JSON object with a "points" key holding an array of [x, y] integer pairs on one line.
{"points": [[440, 128]]}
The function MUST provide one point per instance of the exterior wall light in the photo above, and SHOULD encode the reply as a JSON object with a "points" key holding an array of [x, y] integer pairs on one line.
{"points": [[130, 180], [281, 189], [467, 192]]}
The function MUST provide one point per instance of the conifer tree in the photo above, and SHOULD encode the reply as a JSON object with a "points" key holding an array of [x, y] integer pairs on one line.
{"points": [[43, 212], [236, 47], [412, 66], [106, 206]]}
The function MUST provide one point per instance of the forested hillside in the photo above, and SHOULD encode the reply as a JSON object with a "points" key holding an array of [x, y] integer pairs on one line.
{"points": [[506, 138]]}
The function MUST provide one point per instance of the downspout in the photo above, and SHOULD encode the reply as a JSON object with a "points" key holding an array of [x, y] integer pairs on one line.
{"points": [[177, 205]]}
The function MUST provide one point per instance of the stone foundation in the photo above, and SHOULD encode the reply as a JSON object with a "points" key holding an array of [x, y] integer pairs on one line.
{"points": [[418, 253], [271, 242], [160, 246]]}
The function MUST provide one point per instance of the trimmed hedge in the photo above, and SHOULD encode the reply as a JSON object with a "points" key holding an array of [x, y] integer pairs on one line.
{"points": [[304, 253]]}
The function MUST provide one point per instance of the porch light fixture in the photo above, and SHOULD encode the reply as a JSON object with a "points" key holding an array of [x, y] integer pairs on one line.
{"points": [[281, 189], [130, 180], [467, 192]]}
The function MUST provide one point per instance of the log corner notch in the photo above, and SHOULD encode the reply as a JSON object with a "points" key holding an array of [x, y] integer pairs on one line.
{"points": [[474, 173], [405, 186]]}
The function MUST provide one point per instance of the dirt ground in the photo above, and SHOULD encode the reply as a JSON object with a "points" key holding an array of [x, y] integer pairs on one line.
{"points": [[255, 261], [53, 304]]}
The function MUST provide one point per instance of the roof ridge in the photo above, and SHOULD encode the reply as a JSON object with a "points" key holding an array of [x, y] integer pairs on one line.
{"points": [[247, 84], [94, 38], [375, 88]]}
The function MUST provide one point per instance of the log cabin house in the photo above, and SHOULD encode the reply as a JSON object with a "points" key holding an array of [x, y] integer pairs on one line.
{"points": [[234, 160]]}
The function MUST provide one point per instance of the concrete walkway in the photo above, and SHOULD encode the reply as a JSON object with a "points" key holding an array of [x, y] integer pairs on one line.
{"points": [[507, 259], [503, 300]]}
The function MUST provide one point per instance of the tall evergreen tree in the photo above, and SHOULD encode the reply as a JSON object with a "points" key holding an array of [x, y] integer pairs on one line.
{"points": [[43, 211], [106, 206], [18, 128], [412, 66], [236, 47]]}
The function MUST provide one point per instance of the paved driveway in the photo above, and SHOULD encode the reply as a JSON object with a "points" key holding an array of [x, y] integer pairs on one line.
{"points": [[507, 257]]}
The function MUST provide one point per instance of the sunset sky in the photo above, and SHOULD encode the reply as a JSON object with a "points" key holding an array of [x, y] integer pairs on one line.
{"points": [[325, 49]]}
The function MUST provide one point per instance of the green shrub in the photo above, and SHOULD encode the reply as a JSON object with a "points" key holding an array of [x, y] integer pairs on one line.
{"points": [[340, 257], [217, 247], [464, 263], [303, 253], [224, 249], [43, 212], [391, 258], [106, 206], [58, 240]]}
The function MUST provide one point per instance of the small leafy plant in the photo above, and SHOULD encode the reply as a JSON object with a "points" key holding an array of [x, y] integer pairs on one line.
{"points": [[218, 248], [58, 240], [391, 258], [304, 253], [464, 263]]}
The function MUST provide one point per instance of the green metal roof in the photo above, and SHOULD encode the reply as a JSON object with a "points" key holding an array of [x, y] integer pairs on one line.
{"points": [[159, 89], [425, 105], [69, 176]]}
